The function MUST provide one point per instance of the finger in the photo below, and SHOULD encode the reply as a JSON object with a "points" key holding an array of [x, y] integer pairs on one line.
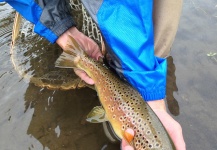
{"points": [[125, 145], [128, 148], [89, 46], [96, 53], [84, 76], [128, 137], [92, 49], [129, 134]]}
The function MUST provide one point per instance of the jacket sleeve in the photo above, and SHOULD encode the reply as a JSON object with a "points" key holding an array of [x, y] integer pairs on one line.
{"points": [[128, 30], [50, 17]]}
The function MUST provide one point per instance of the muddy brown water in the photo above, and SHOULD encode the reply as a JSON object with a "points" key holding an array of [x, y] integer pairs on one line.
{"points": [[34, 118]]}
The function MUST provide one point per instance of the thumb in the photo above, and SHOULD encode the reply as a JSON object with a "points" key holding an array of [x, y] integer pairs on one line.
{"points": [[128, 137]]}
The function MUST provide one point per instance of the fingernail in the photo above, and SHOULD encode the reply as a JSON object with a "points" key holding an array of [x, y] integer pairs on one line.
{"points": [[129, 134], [130, 131], [100, 58]]}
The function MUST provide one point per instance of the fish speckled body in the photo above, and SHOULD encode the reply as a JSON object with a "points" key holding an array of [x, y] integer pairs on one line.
{"points": [[123, 105]]}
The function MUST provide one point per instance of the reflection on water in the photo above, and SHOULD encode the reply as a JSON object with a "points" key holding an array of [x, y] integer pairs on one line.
{"points": [[58, 121], [36, 118], [196, 74], [172, 103]]}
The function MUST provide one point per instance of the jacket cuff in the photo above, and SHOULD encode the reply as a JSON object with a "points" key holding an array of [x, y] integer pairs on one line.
{"points": [[61, 26], [45, 32], [58, 29], [157, 94]]}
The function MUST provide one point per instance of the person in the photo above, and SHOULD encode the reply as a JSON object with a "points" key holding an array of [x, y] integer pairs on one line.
{"points": [[138, 42]]}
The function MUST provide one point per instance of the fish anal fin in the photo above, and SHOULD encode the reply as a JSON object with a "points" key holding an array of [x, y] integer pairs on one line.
{"points": [[97, 115]]}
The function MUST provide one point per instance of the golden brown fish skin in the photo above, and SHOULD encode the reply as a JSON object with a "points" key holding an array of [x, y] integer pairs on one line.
{"points": [[125, 108]]}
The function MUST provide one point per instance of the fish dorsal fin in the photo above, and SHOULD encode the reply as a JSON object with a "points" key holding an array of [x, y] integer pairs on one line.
{"points": [[73, 47], [97, 115], [65, 60], [70, 55]]}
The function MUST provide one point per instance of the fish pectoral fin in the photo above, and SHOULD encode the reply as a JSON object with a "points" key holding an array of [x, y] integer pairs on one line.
{"points": [[65, 60], [97, 115]]}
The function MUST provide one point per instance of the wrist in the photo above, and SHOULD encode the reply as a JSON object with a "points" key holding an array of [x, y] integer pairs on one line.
{"points": [[157, 104], [62, 40]]}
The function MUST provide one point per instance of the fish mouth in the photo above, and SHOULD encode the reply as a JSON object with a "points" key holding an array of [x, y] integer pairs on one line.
{"points": [[109, 132]]}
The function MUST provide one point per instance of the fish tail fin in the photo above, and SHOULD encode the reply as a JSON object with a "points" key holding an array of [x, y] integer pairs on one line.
{"points": [[71, 55]]}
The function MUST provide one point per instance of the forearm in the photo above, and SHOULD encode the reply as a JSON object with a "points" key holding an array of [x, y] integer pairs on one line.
{"points": [[173, 128], [157, 105]]}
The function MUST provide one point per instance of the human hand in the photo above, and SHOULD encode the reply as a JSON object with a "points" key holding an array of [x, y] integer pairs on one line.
{"points": [[86, 43], [124, 143], [173, 127]]}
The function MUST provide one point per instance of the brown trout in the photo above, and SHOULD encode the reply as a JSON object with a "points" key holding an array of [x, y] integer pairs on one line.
{"points": [[122, 105]]}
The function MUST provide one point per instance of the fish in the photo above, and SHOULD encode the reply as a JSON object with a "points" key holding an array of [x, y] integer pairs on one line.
{"points": [[122, 105]]}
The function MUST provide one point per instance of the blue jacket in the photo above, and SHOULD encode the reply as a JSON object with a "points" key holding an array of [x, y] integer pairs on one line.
{"points": [[127, 28], [50, 17]]}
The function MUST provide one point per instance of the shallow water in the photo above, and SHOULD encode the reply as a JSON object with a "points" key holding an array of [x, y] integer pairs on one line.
{"points": [[36, 118], [32, 117], [196, 73]]}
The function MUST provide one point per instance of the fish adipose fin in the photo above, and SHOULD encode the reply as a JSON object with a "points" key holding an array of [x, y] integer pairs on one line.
{"points": [[70, 55], [97, 115]]}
